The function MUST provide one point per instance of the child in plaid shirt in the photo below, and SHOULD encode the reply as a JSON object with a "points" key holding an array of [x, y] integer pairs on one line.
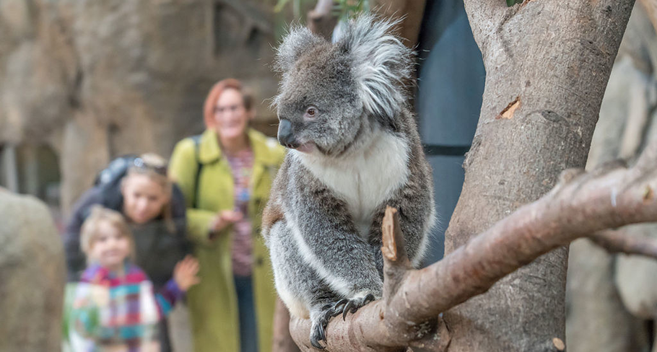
{"points": [[115, 307]]}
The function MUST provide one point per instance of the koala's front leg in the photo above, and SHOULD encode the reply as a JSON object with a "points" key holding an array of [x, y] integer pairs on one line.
{"points": [[331, 245], [416, 218]]}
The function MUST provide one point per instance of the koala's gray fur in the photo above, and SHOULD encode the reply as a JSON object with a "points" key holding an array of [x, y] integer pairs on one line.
{"points": [[354, 149]]}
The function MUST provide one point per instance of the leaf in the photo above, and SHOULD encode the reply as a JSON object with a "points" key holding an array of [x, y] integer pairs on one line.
{"points": [[282, 3]]}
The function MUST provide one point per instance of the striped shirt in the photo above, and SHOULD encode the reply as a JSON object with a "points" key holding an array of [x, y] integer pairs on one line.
{"points": [[241, 165]]}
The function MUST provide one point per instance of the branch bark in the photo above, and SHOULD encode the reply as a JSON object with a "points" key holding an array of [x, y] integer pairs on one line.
{"points": [[582, 203], [619, 242]]}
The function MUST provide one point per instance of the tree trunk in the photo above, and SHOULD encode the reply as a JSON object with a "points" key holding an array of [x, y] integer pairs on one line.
{"points": [[412, 12], [547, 65]]}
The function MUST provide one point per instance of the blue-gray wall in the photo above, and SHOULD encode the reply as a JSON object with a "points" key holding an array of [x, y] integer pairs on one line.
{"points": [[450, 87]]}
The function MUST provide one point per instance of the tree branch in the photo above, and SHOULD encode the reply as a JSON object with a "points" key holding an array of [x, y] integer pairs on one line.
{"points": [[620, 242], [320, 19], [580, 204]]}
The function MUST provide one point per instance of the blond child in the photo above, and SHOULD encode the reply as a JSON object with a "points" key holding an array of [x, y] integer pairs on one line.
{"points": [[115, 307]]}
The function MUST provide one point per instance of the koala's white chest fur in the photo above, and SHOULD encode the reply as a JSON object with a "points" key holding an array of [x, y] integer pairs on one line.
{"points": [[366, 178]]}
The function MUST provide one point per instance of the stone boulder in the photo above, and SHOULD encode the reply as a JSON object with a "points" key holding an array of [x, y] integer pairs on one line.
{"points": [[32, 276]]}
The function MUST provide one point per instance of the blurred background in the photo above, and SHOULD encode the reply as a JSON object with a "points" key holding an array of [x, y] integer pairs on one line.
{"points": [[83, 82]]}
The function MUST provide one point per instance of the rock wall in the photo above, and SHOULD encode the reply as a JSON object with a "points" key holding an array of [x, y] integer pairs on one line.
{"points": [[97, 79]]}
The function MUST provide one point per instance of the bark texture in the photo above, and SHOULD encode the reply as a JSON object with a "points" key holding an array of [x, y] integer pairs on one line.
{"points": [[553, 60]]}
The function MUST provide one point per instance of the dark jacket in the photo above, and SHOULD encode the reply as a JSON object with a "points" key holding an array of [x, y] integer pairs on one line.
{"points": [[157, 248]]}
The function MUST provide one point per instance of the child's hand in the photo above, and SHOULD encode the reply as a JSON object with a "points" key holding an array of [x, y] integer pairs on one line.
{"points": [[185, 273]]}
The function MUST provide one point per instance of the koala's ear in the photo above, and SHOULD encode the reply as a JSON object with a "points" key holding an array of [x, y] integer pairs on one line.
{"points": [[299, 40], [381, 65]]}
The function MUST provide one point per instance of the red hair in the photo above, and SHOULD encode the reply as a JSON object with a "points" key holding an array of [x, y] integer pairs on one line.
{"points": [[215, 93]]}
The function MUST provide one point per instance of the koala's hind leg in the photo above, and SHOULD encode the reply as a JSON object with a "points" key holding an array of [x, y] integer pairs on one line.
{"points": [[291, 274], [299, 286]]}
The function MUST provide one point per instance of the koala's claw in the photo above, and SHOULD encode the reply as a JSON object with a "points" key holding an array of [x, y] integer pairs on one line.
{"points": [[345, 305], [318, 331], [317, 335]]}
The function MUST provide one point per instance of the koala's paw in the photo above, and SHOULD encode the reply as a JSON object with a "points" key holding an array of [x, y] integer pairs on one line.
{"points": [[345, 305], [318, 329]]}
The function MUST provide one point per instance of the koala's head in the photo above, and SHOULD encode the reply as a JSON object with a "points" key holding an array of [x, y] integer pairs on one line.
{"points": [[334, 96]]}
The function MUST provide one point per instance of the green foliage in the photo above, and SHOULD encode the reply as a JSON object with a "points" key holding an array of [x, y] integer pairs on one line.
{"points": [[296, 6], [513, 2], [341, 8], [350, 8]]}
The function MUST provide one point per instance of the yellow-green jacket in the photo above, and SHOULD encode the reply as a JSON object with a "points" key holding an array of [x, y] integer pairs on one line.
{"points": [[213, 302]]}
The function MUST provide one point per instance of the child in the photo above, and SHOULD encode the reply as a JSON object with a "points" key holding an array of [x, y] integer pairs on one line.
{"points": [[115, 307]]}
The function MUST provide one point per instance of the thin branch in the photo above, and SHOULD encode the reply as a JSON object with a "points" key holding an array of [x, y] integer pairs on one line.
{"points": [[580, 204], [282, 339], [321, 20], [620, 242]]}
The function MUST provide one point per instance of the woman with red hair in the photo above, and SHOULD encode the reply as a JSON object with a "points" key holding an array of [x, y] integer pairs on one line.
{"points": [[226, 174]]}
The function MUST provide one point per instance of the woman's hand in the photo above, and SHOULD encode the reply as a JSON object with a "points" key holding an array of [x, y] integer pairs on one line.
{"points": [[185, 273], [223, 219]]}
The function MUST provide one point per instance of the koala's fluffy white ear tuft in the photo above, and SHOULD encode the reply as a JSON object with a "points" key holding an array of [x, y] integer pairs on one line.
{"points": [[381, 65], [299, 40]]}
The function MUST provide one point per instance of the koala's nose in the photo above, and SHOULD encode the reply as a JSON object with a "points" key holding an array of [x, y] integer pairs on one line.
{"points": [[285, 135]]}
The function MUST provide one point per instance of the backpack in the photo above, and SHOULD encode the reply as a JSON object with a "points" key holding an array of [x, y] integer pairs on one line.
{"points": [[199, 167], [111, 176]]}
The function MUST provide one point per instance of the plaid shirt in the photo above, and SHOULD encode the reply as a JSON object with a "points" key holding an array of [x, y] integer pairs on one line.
{"points": [[120, 313]]}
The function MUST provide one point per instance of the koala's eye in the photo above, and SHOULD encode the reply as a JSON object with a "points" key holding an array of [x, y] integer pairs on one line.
{"points": [[311, 112]]}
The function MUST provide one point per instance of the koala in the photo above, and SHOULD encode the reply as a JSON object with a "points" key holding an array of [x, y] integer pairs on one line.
{"points": [[353, 149]]}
